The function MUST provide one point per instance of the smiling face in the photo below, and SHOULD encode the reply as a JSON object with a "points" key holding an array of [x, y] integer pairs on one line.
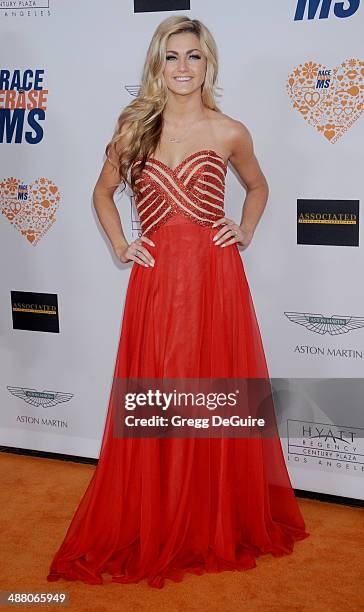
{"points": [[184, 59]]}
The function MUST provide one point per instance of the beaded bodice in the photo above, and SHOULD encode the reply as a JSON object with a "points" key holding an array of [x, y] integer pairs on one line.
{"points": [[195, 188]]}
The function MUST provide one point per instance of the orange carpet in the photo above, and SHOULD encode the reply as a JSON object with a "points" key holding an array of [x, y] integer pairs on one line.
{"points": [[37, 500]]}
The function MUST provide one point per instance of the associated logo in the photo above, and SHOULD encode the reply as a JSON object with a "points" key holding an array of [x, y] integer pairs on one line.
{"points": [[31, 208], [310, 9], [151, 6], [319, 324], [23, 105], [329, 99], [42, 399], [330, 222], [35, 311]]}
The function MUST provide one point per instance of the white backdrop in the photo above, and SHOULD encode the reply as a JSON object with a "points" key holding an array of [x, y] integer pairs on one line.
{"points": [[92, 55]]}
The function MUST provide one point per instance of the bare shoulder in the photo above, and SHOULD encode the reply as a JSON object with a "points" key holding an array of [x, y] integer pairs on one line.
{"points": [[109, 178], [233, 134], [237, 141]]}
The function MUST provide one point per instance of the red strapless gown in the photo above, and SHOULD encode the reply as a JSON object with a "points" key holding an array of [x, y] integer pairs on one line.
{"points": [[156, 508]]}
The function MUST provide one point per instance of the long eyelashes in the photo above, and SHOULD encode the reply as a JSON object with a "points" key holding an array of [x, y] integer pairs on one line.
{"points": [[174, 57]]}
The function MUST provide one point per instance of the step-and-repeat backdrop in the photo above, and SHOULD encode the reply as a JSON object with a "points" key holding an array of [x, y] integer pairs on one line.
{"points": [[292, 72]]}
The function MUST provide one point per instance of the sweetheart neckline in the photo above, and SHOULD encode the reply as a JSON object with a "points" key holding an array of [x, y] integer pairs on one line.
{"points": [[191, 155]]}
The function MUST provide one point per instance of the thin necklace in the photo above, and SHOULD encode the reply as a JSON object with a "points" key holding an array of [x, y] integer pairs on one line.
{"points": [[180, 139]]}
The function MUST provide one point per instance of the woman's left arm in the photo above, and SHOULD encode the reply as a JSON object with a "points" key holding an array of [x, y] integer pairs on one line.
{"points": [[246, 164]]}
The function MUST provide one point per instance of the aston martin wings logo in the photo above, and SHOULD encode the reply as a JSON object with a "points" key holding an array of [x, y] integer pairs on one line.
{"points": [[44, 399], [319, 324], [133, 90]]}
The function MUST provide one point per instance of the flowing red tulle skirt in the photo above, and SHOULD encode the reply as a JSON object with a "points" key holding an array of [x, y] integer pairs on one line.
{"points": [[158, 508]]}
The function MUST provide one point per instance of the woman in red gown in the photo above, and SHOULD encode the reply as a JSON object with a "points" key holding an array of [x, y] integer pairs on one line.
{"points": [[157, 507]]}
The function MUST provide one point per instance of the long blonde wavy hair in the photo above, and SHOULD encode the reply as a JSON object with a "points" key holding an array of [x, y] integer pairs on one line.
{"points": [[141, 121]]}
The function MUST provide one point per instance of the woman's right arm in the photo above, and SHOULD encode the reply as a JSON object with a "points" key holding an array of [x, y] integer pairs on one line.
{"points": [[109, 218], [106, 210]]}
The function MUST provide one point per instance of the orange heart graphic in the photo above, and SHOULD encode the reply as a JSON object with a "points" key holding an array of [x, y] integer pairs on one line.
{"points": [[30, 208], [331, 100]]}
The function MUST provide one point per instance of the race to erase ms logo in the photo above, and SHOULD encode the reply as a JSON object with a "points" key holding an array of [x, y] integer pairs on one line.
{"points": [[23, 105], [30, 208], [330, 99], [322, 9]]}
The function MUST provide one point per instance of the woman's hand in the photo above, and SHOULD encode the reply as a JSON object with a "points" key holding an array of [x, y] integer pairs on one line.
{"points": [[135, 251], [231, 232]]}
